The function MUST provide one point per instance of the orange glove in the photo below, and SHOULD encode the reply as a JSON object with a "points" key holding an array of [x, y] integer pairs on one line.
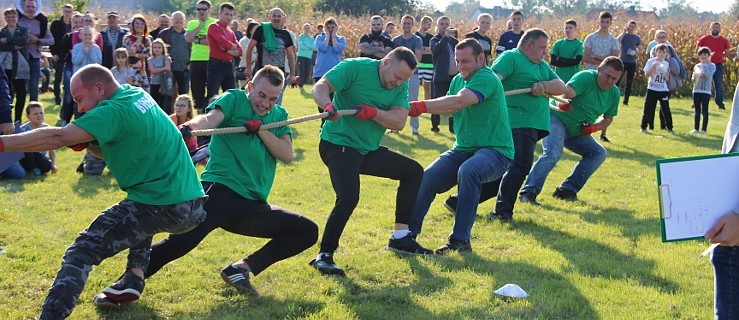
{"points": [[566, 107], [79, 147], [332, 115], [365, 112], [417, 108]]}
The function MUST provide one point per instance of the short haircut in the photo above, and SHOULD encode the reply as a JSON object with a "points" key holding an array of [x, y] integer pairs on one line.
{"points": [[91, 74], [390, 24], [307, 24], [614, 62], [426, 19], [178, 13], [470, 43], [226, 5], [376, 17], [484, 15], [661, 47], [703, 50], [249, 29], [10, 11], [272, 74], [408, 16], [159, 41], [632, 21], [517, 13], [605, 15], [532, 35], [330, 20], [404, 54], [443, 18], [33, 105], [205, 2], [715, 22], [163, 15], [571, 22]]}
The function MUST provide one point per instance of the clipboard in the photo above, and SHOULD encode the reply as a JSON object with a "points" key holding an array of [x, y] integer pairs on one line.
{"points": [[694, 192]]}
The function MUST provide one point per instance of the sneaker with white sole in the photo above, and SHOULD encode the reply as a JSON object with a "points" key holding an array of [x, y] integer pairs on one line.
{"points": [[238, 278], [407, 244], [103, 302], [128, 288]]}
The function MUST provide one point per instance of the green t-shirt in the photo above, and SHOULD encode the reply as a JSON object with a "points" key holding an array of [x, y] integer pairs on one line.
{"points": [[240, 161], [590, 102], [200, 52], [567, 49], [357, 81], [518, 72], [142, 147], [484, 124]]}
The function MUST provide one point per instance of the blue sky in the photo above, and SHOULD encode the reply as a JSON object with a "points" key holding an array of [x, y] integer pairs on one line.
{"points": [[716, 6]]}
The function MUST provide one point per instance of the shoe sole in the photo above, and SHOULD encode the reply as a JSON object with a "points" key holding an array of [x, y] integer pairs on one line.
{"points": [[389, 248], [332, 272], [122, 296], [242, 290], [448, 207], [103, 302]]}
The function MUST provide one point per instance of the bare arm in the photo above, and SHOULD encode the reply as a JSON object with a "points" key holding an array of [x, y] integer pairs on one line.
{"points": [[604, 123], [279, 147], [393, 119], [43, 139], [321, 91], [452, 103], [210, 120], [192, 34], [367, 49]]}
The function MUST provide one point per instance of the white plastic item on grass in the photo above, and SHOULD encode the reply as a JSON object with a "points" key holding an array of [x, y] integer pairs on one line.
{"points": [[511, 290]]}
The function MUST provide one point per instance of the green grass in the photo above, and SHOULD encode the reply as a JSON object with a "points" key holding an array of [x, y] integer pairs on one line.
{"points": [[598, 258]]}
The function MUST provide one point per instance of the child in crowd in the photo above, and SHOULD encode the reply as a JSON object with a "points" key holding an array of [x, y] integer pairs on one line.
{"points": [[658, 72], [45, 75], [158, 63], [122, 72], [86, 52], [183, 112], [702, 79], [37, 162]]}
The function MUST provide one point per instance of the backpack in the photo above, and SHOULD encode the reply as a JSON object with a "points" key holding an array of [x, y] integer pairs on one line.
{"points": [[677, 70]]}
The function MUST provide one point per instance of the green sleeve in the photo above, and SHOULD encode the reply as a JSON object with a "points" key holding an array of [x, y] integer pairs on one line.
{"points": [[281, 131], [551, 74], [482, 84], [555, 48], [341, 75], [505, 64], [401, 99], [580, 82], [102, 122], [580, 51], [226, 103]]}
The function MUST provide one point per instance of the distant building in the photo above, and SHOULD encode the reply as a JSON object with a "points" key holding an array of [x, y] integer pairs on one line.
{"points": [[497, 12], [629, 14]]}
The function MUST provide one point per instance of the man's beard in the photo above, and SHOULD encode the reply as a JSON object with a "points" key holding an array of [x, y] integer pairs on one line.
{"points": [[715, 33]]}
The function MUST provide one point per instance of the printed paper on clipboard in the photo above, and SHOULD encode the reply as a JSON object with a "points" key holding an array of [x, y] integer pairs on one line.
{"points": [[694, 192]]}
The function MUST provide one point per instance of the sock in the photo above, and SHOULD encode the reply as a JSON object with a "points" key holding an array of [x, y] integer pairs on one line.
{"points": [[321, 255], [397, 234]]}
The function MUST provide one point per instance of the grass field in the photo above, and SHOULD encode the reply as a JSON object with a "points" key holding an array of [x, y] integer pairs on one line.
{"points": [[598, 258]]}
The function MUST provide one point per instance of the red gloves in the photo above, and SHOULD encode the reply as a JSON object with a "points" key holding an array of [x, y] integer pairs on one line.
{"points": [[587, 129], [252, 126], [185, 130], [79, 147], [2, 145], [365, 112], [332, 115], [566, 107], [417, 108]]}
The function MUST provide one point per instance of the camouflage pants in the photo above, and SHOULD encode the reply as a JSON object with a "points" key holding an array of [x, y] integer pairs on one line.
{"points": [[125, 225]]}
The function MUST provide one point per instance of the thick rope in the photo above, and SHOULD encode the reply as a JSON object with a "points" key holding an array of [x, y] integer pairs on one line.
{"points": [[208, 132]]}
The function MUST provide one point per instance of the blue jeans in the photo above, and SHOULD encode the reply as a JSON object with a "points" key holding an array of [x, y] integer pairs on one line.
{"points": [[524, 143], [718, 82], [725, 261], [15, 171], [469, 170], [593, 155], [35, 65], [220, 74]]}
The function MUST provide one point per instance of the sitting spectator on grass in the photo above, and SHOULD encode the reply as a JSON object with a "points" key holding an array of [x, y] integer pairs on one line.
{"points": [[37, 162]]}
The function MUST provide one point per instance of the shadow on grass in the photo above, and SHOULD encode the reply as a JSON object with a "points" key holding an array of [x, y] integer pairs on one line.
{"points": [[631, 154], [407, 143], [537, 282], [595, 259], [630, 226], [89, 186], [132, 311], [19, 185], [238, 306]]}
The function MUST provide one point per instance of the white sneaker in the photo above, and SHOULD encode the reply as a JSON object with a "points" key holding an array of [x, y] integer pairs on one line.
{"points": [[644, 131], [693, 131], [702, 132]]}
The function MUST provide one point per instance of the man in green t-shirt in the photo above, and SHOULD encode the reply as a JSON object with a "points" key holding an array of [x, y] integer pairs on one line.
{"points": [[350, 146], [238, 183], [566, 54], [522, 68], [594, 94], [483, 147], [146, 155], [197, 31]]}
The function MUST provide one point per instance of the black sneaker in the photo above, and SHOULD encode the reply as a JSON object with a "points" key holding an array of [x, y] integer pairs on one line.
{"points": [[103, 302], [604, 138], [527, 197], [128, 288], [502, 217], [435, 130], [454, 245], [564, 194], [325, 265], [451, 204], [407, 244], [238, 278]]}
